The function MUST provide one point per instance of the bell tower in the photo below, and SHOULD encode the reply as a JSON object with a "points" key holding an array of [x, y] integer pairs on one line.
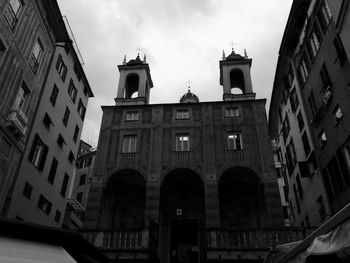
{"points": [[235, 77], [135, 82]]}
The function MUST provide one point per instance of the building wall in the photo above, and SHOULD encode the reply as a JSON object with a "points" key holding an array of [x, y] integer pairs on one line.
{"points": [[208, 155], [26, 207], [319, 202], [15, 63]]}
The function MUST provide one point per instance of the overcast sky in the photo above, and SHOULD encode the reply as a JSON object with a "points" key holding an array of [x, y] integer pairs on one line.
{"points": [[183, 40]]}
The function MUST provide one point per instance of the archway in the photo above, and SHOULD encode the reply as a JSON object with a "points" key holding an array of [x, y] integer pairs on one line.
{"points": [[131, 86], [239, 197], [123, 204], [182, 214], [237, 81]]}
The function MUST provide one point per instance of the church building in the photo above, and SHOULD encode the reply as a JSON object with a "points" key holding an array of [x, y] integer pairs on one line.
{"points": [[185, 182]]}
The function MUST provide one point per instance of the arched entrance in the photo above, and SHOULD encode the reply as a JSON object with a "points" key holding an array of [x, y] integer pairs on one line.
{"points": [[240, 198], [123, 204], [181, 217]]}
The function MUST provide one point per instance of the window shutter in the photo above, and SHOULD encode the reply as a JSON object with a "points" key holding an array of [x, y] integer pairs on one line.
{"points": [[32, 150], [43, 158]]}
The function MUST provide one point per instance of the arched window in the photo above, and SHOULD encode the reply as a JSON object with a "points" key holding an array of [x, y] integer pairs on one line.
{"points": [[131, 86], [237, 82]]}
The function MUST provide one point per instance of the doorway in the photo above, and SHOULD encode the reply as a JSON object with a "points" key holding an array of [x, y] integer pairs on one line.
{"points": [[184, 244]]}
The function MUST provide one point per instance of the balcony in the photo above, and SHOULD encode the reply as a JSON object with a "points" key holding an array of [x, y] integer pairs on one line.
{"points": [[127, 158], [135, 239], [217, 239], [17, 121], [253, 238], [235, 155], [181, 157]]}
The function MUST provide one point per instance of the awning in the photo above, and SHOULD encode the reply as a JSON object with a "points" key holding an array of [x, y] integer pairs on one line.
{"points": [[331, 238]]}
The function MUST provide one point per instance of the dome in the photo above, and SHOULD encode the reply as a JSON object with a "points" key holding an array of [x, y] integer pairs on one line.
{"points": [[189, 97]]}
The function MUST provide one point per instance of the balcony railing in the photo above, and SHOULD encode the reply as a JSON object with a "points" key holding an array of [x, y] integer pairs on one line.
{"points": [[181, 157], [217, 238], [128, 158], [235, 155], [137, 239], [17, 121], [257, 238]]}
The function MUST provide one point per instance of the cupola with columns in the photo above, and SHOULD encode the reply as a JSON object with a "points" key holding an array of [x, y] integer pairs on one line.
{"points": [[235, 76], [135, 82]]}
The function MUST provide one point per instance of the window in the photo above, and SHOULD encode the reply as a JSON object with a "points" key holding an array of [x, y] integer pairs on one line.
{"points": [[300, 188], [81, 110], [280, 115], [44, 204], [5, 146], [53, 169], [324, 16], [312, 104], [66, 116], [2, 46], [323, 138], [234, 141], [27, 190], [54, 94], [71, 157], [85, 91], [38, 153], [76, 133], [307, 221], [285, 128], [337, 113], [79, 197], [303, 69], [232, 112], [338, 44], [77, 71], [64, 185], [22, 98], [60, 141], [132, 116], [296, 198], [294, 100], [72, 91], [305, 144], [300, 121], [82, 179], [47, 120], [36, 55], [182, 142], [321, 208], [57, 216], [326, 80], [11, 12], [314, 43], [129, 144], [61, 68], [290, 157], [182, 114]]}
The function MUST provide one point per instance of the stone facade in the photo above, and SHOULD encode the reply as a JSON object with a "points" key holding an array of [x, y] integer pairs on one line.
{"points": [[189, 169]]}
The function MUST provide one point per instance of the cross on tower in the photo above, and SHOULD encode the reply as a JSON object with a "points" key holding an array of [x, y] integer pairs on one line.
{"points": [[232, 44], [138, 50], [189, 84]]}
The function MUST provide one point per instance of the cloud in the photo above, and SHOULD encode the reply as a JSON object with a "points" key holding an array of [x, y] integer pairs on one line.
{"points": [[183, 40]]}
